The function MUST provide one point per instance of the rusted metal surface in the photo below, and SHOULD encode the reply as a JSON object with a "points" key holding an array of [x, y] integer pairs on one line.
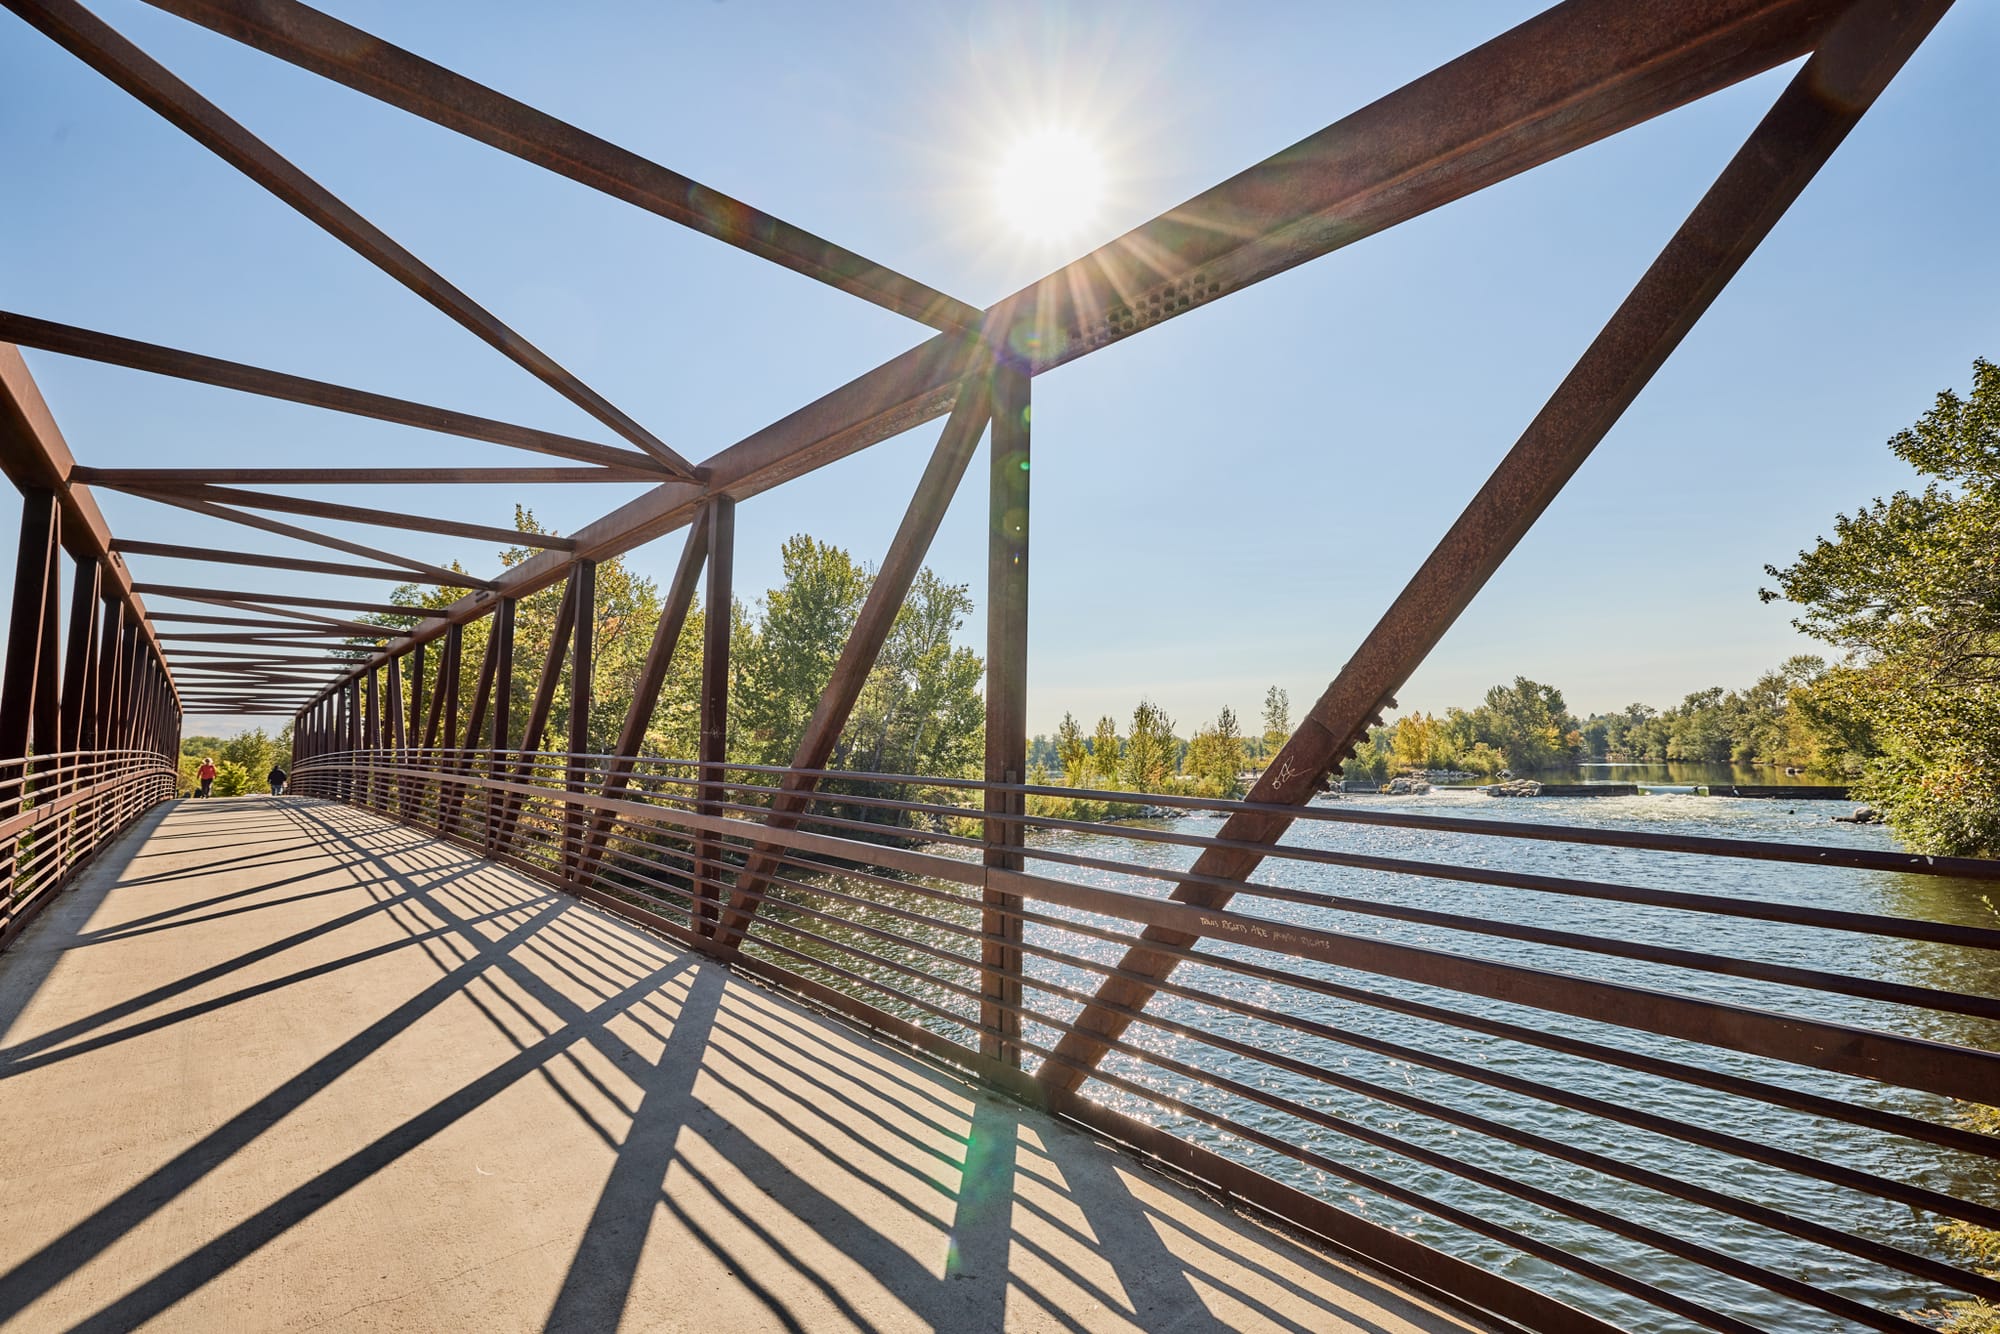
{"points": [[366, 63], [891, 585], [101, 47], [717, 632], [91, 345], [1007, 513], [1811, 117]]}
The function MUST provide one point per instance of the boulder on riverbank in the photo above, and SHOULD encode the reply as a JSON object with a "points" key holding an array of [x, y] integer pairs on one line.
{"points": [[1520, 787], [1407, 787]]}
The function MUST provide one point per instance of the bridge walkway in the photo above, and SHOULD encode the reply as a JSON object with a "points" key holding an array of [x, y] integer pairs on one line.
{"points": [[283, 1064]]}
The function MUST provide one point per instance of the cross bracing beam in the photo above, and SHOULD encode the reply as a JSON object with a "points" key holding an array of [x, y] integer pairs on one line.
{"points": [[335, 50], [306, 535], [325, 509], [90, 345], [1811, 117], [212, 554], [283, 599], [101, 47], [1578, 73], [181, 477]]}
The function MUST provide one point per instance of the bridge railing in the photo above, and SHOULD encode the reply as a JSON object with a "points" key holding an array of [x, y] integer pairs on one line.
{"points": [[1584, 1076], [57, 810]]}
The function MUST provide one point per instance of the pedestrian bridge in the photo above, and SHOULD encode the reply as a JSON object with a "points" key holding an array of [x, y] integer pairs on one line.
{"points": [[285, 1064], [506, 1019]]}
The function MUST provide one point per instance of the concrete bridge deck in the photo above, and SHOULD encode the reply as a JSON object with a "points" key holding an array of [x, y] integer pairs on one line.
{"points": [[280, 1064]]}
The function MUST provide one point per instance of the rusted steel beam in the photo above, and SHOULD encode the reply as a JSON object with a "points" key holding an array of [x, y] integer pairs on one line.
{"points": [[79, 676], [270, 638], [218, 556], [1568, 78], [955, 447], [1006, 707], [90, 345], [28, 625], [582, 670], [47, 700], [539, 706], [171, 477], [232, 597], [275, 626], [345, 54], [34, 456], [100, 46], [716, 631], [248, 520], [326, 509], [674, 610], [1809, 120]]}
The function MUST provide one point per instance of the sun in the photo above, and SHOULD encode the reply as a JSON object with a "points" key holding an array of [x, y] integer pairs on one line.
{"points": [[1050, 185]]}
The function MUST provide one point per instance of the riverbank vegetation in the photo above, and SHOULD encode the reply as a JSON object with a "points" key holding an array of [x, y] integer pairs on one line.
{"points": [[1908, 589]]}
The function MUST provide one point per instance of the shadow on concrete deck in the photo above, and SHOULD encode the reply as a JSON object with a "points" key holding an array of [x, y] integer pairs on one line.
{"points": [[277, 1063]]}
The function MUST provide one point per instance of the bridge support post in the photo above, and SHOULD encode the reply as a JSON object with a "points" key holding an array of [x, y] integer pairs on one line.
{"points": [[1006, 705], [717, 623], [582, 667], [28, 627]]}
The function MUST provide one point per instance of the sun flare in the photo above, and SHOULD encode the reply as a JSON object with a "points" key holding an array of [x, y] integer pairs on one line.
{"points": [[1050, 185]]}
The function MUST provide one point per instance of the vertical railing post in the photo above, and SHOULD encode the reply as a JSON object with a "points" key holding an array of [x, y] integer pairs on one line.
{"points": [[582, 668], [715, 648], [79, 679], [1006, 705], [413, 803], [502, 653], [397, 739]]}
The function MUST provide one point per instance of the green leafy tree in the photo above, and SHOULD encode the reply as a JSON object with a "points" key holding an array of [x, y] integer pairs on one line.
{"points": [[1215, 757], [1277, 719], [1104, 750], [1151, 754], [1909, 589], [799, 631], [1529, 724], [1072, 751]]}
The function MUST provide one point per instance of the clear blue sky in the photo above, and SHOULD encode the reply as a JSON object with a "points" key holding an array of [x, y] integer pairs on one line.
{"points": [[1225, 502]]}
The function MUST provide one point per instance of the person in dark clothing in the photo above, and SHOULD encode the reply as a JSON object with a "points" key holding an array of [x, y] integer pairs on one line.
{"points": [[278, 777]]}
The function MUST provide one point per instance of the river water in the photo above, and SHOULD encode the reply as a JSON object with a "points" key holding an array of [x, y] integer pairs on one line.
{"points": [[1950, 968]]}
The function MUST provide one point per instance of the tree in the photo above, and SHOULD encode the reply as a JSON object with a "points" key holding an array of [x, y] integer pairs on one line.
{"points": [[1072, 751], [1529, 724], [1104, 749], [1215, 757], [1151, 753], [1909, 588], [798, 636], [1277, 719]]}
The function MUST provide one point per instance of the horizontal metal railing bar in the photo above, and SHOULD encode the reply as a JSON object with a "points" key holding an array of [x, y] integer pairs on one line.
{"points": [[1915, 1196], [1719, 1261], [1945, 1136], [1810, 979], [1732, 906], [1357, 1176], [651, 817], [1751, 1211], [1938, 1067], [1757, 850]]}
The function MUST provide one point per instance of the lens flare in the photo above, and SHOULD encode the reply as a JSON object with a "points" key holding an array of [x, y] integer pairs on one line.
{"points": [[1050, 185]]}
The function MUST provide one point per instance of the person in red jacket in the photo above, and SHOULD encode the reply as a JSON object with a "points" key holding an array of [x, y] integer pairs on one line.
{"points": [[206, 774]]}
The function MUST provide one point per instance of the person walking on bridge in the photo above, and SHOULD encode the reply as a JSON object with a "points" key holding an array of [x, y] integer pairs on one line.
{"points": [[277, 777], [206, 774]]}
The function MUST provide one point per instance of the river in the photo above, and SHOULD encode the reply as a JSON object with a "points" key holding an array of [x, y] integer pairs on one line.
{"points": [[1947, 967]]}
